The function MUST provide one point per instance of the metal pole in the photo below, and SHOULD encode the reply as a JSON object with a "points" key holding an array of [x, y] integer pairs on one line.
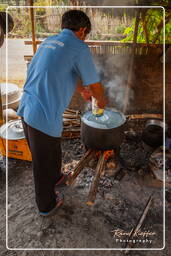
{"points": [[33, 27]]}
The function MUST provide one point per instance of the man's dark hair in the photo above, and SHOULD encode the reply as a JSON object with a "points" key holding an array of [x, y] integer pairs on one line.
{"points": [[76, 19]]}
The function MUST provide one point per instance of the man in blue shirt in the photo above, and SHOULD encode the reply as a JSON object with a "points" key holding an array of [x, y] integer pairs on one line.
{"points": [[61, 65]]}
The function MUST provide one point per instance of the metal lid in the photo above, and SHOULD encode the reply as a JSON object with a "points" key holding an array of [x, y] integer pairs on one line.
{"points": [[109, 120], [10, 88], [11, 94], [12, 130]]}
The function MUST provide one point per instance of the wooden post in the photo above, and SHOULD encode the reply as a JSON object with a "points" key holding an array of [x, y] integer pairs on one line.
{"points": [[160, 27], [33, 27], [129, 81], [1, 112], [95, 183], [144, 24]]}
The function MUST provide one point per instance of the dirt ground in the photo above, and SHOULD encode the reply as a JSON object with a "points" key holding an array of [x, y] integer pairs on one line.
{"points": [[118, 205]]}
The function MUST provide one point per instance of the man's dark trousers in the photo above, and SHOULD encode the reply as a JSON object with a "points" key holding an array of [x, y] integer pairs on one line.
{"points": [[46, 161]]}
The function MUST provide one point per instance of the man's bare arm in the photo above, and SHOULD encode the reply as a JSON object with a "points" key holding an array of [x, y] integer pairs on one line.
{"points": [[96, 90]]}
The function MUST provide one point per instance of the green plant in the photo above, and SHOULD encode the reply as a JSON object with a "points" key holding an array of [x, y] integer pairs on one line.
{"points": [[120, 29], [3, 7], [40, 28], [154, 22]]}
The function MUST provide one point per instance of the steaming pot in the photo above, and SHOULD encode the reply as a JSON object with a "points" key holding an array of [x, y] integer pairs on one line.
{"points": [[103, 132]]}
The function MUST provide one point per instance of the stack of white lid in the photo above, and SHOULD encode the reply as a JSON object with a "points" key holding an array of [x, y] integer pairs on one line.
{"points": [[10, 94]]}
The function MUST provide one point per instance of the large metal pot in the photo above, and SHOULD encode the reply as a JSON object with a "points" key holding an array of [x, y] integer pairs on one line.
{"points": [[105, 132]]}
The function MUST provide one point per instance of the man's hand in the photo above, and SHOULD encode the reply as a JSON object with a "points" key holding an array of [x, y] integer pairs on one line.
{"points": [[86, 94], [97, 91], [102, 102]]}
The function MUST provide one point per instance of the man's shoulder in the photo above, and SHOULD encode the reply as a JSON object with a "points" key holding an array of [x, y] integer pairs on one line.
{"points": [[68, 41]]}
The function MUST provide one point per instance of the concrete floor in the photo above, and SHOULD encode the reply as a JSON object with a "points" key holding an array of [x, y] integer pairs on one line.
{"points": [[16, 64]]}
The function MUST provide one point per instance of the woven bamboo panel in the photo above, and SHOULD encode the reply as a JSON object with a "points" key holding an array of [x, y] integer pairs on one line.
{"points": [[125, 49]]}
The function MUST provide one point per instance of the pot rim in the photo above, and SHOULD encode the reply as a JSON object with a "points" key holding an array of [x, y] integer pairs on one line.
{"points": [[114, 110], [157, 123]]}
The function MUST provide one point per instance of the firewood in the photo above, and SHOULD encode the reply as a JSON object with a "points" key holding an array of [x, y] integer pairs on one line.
{"points": [[68, 132], [141, 116], [74, 123], [94, 185], [76, 130], [70, 116], [81, 164], [72, 111], [140, 222], [71, 134], [75, 113]]}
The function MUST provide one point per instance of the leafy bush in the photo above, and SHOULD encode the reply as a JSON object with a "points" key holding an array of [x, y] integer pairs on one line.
{"points": [[120, 29], [154, 19]]}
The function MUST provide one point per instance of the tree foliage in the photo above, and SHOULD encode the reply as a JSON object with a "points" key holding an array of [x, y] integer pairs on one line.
{"points": [[153, 18]]}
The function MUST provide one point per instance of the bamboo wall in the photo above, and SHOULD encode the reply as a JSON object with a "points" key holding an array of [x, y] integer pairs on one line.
{"points": [[104, 47]]}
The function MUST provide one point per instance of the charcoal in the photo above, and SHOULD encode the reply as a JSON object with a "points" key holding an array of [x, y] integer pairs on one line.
{"points": [[133, 155], [168, 196]]}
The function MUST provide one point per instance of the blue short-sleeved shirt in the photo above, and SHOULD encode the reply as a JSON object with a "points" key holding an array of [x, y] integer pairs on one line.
{"points": [[51, 81]]}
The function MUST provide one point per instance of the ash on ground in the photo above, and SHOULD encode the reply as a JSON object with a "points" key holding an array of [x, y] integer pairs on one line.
{"points": [[122, 196]]}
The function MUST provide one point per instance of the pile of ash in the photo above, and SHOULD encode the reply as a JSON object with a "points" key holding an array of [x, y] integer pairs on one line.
{"points": [[134, 153]]}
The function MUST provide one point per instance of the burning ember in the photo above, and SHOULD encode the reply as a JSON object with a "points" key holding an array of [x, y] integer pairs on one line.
{"points": [[107, 154]]}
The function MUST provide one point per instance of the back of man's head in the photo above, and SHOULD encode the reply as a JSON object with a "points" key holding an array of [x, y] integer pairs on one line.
{"points": [[76, 19]]}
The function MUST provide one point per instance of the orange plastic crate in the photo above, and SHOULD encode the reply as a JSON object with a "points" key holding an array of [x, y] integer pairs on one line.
{"points": [[16, 149]]}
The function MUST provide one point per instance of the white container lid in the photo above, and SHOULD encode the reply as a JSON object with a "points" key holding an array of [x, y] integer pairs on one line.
{"points": [[12, 130], [11, 91]]}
